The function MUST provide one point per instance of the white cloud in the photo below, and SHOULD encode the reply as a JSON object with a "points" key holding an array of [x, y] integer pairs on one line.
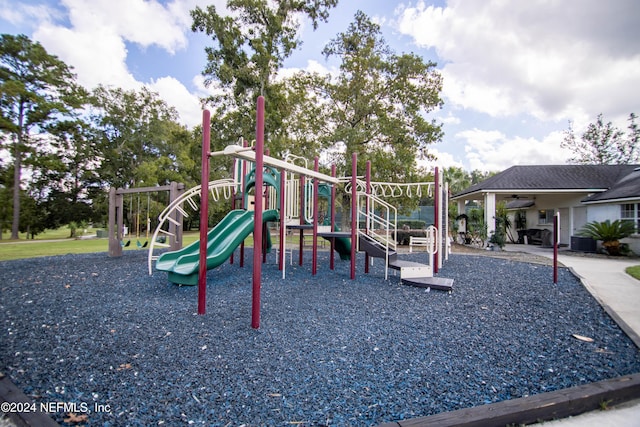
{"points": [[97, 56], [93, 40], [92, 36], [554, 60], [143, 22], [449, 119], [312, 67], [443, 160], [176, 94], [493, 151]]}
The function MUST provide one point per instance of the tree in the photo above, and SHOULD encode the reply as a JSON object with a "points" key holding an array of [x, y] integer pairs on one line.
{"points": [[36, 90], [250, 47], [376, 107], [457, 178], [134, 133], [6, 183], [604, 144]]}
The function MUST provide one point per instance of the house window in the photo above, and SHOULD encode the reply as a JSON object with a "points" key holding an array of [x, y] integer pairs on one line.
{"points": [[631, 212], [545, 216]]}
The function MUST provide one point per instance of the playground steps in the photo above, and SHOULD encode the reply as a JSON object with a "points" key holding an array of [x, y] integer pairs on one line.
{"points": [[374, 248], [411, 273], [420, 275]]}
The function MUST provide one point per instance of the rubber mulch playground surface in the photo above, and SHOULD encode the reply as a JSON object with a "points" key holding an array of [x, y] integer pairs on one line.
{"points": [[93, 330]]}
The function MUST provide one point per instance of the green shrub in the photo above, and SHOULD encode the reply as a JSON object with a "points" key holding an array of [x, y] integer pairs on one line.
{"points": [[609, 233], [413, 224]]}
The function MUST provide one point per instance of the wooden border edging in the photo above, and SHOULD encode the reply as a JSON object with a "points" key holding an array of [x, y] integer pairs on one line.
{"points": [[12, 394], [536, 408]]}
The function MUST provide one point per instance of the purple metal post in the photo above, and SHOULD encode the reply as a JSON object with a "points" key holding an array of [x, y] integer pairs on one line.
{"points": [[333, 219], [257, 218], [556, 220], [314, 259], [436, 216], [204, 211], [283, 225], [366, 224], [354, 208]]}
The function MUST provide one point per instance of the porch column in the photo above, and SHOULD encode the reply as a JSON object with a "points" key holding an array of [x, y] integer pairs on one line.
{"points": [[461, 206], [571, 224], [490, 212]]}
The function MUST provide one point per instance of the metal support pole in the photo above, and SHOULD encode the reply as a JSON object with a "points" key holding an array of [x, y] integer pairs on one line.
{"points": [[333, 219], [556, 230], [354, 208], [436, 212], [257, 224], [204, 211], [366, 226], [283, 224], [314, 262]]}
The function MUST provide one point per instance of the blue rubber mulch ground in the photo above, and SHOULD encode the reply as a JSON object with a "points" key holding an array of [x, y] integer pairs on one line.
{"points": [[330, 351]]}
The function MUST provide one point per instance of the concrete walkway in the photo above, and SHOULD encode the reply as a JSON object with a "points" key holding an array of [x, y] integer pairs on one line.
{"points": [[619, 295]]}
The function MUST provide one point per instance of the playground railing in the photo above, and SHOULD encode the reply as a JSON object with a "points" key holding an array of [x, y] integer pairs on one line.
{"points": [[220, 188], [380, 219]]}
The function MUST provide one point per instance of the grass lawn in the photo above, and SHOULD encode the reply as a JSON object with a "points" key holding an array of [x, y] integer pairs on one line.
{"points": [[57, 242], [634, 271]]}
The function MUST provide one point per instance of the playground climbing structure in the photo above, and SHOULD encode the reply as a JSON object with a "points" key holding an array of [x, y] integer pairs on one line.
{"points": [[293, 189]]}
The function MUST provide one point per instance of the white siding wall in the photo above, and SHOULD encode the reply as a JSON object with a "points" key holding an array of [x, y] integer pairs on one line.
{"points": [[603, 212]]}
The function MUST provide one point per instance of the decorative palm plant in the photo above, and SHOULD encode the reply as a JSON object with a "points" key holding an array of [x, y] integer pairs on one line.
{"points": [[609, 232]]}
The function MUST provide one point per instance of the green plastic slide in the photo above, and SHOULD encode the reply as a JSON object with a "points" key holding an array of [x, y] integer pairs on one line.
{"points": [[183, 265]]}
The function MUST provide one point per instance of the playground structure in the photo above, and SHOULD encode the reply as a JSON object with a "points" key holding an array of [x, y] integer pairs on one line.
{"points": [[372, 220]]}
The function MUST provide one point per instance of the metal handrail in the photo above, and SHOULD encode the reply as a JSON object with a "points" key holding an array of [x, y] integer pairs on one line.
{"points": [[224, 185], [387, 222]]}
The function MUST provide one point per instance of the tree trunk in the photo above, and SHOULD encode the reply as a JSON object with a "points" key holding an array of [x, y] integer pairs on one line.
{"points": [[15, 226], [17, 169]]}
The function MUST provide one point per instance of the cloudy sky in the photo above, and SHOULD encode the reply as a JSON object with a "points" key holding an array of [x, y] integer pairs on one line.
{"points": [[515, 72]]}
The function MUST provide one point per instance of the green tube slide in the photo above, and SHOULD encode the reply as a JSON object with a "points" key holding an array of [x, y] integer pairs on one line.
{"points": [[183, 265]]}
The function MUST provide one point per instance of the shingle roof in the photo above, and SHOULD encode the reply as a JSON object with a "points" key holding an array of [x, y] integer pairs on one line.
{"points": [[626, 188], [553, 177]]}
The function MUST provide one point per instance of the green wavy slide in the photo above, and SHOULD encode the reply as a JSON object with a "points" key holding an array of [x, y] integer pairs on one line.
{"points": [[183, 265]]}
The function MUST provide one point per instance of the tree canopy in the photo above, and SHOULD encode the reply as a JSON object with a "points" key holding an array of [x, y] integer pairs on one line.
{"points": [[36, 89], [603, 143], [74, 142], [249, 47], [377, 106]]}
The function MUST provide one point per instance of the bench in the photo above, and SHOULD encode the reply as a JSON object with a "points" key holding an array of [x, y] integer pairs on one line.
{"points": [[418, 241]]}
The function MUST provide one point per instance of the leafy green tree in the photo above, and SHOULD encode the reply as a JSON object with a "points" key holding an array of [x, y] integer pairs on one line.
{"points": [[6, 178], [457, 178], [250, 46], [604, 144], [134, 132], [36, 90], [377, 106], [32, 216]]}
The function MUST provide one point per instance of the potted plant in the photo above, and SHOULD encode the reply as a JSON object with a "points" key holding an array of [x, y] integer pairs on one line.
{"points": [[610, 233]]}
